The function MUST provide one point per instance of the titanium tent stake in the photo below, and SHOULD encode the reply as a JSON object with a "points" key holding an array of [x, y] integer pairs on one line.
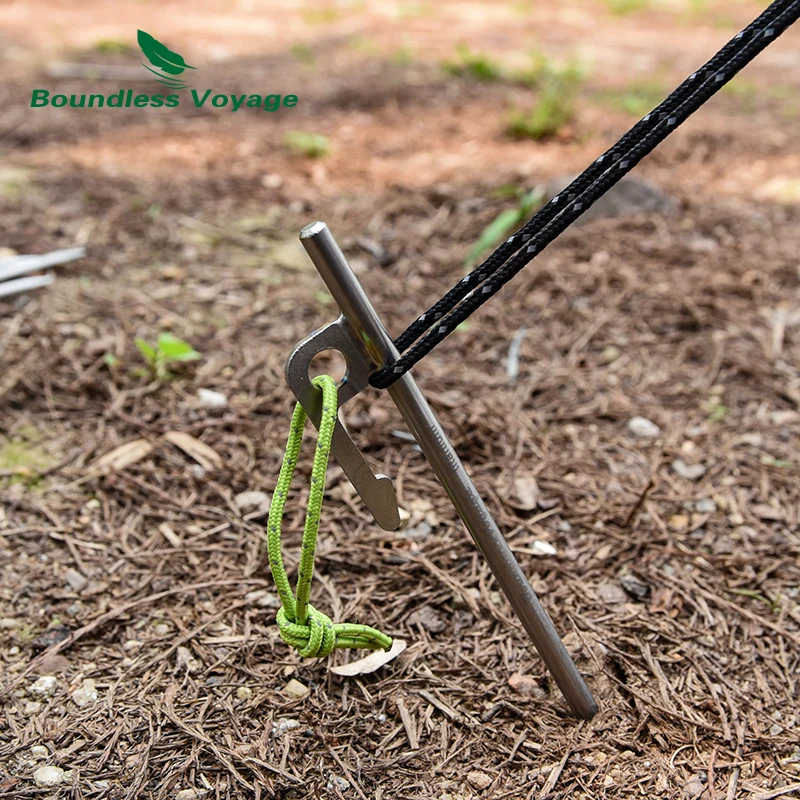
{"points": [[362, 339]]}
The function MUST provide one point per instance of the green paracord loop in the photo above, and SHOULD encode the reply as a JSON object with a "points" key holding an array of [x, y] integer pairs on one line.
{"points": [[300, 624]]}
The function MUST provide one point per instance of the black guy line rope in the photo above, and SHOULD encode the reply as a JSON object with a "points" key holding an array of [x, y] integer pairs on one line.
{"points": [[552, 219]]}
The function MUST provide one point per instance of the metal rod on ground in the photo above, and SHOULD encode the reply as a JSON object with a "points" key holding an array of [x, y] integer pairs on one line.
{"points": [[368, 328]]}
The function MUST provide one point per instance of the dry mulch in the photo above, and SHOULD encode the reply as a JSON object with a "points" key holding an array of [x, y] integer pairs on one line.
{"points": [[678, 596]]}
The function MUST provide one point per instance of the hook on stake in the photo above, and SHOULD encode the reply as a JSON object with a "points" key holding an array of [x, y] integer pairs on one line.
{"points": [[365, 343]]}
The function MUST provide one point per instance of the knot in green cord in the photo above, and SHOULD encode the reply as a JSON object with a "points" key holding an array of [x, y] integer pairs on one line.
{"points": [[316, 638], [300, 624]]}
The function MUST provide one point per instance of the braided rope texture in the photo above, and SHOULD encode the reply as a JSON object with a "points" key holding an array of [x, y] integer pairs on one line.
{"points": [[301, 625], [604, 173]]}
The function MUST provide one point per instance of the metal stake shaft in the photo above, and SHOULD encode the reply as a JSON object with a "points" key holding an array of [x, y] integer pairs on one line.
{"points": [[358, 311]]}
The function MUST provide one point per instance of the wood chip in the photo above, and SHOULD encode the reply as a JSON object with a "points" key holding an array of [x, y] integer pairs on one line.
{"points": [[372, 662], [205, 456], [436, 703], [408, 724], [166, 531], [124, 456]]}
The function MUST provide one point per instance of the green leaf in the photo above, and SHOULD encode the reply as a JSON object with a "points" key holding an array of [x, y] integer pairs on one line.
{"points": [[773, 605], [531, 201], [147, 350], [171, 348], [161, 56], [110, 360], [311, 145], [494, 232]]}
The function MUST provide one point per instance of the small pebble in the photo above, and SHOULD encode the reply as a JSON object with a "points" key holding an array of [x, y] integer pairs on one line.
{"points": [[244, 693], [705, 506], [417, 532], [428, 618], [526, 685], [543, 548], [694, 787], [691, 472], [611, 593], [643, 428], [295, 689], [338, 782], [43, 687], [39, 751], [85, 694], [76, 581], [635, 586], [679, 522], [610, 354], [211, 399], [285, 725], [13, 651], [32, 707], [480, 780], [190, 794], [272, 180], [185, 660], [49, 776], [9, 624], [252, 501], [131, 644], [263, 598]]}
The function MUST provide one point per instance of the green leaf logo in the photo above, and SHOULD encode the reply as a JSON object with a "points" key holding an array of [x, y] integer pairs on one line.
{"points": [[168, 63]]}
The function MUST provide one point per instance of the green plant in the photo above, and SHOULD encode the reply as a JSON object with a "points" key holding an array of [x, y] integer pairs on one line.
{"points": [[411, 10], [555, 105], [310, 145], [113, 47], [506, 221], [622, 7], [168, 350], [402, 57], [320, 16], [774, 605], [304, 54], [477, 66], [541, 67], [716, 410], [637, 98]]}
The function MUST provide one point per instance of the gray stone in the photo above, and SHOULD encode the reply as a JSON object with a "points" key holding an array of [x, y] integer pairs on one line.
{"points": [[43, 687], [629, 197], [705, 506], [643, 428], [49, 776], [252, 501], [691, 472]]}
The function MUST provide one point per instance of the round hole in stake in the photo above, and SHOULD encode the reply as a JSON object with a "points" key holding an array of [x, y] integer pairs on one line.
{"points": [[329, 362]]}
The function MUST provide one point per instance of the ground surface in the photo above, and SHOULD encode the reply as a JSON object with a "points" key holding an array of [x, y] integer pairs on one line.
{"points": [[679, 597]]}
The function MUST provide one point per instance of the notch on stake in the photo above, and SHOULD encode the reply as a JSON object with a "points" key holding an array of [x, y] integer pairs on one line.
{"points": [[362, 339]]}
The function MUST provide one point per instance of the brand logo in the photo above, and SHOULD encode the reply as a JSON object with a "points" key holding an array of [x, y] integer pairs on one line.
{"points": [[168, 67], [168, 64]]}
